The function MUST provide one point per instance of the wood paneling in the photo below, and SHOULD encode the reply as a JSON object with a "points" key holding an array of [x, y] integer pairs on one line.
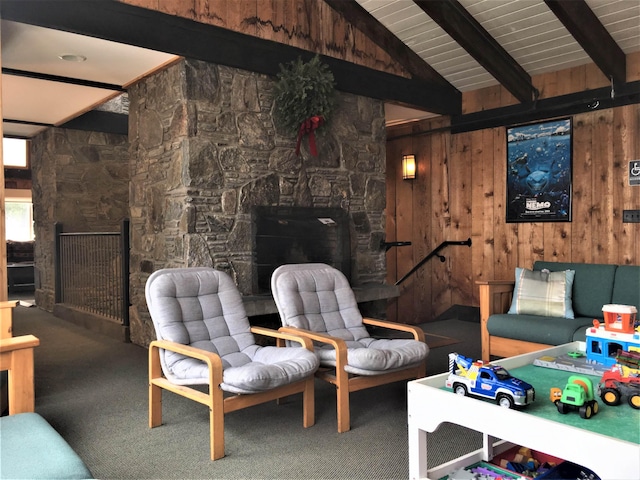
{"points": [[308, 24], [462, 179]]}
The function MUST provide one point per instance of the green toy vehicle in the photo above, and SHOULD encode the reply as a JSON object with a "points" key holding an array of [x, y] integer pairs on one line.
{"points": [[578, 395]]}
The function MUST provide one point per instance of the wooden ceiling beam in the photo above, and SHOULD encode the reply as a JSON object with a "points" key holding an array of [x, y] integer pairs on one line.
{"points": [[470, 35], [361, 19], [592, 36], [132, 25]]}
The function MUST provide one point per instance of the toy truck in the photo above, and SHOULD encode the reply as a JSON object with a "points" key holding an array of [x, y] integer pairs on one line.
{"points": [[475, 378], [578, 394], [623, 380]]}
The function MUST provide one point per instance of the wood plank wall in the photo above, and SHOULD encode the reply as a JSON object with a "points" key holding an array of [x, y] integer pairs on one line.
{"points": [[307, 24], [460, 189], [460, 193]]}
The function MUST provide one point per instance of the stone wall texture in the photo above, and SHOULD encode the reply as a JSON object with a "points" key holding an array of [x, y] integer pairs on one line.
{"points": [[80, 179], [204, 150]]}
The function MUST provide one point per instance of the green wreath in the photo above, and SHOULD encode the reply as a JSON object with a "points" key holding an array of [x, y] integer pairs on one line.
{"points": [[303, 91]]}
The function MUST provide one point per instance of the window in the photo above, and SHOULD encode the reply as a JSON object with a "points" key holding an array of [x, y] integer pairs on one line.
{"points": [[18, 215], [15, 153]]}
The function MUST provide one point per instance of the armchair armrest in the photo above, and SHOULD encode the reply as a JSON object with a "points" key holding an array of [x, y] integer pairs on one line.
{"points": [[417, 332], [495, 297], [18, 343], [212, 360], [281, 335], [339, 344], [16, 356], [6, 321]]}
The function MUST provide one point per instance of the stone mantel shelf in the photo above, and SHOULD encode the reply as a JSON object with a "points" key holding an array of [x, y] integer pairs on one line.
{"points": [[264, 304]]}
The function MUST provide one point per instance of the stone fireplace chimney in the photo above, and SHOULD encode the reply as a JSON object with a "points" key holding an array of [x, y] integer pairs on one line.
{"points": [[210, 170]]}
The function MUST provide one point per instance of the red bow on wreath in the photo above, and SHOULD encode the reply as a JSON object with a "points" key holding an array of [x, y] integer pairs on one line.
{"points": [[308, 127]]}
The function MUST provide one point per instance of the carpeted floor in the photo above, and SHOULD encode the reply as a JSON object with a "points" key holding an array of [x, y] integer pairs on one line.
{"points": [[436, 341], [93, 390]]}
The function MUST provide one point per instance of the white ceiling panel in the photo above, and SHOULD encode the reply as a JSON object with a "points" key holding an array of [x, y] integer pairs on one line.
{"points": [[20, 130], [527, 29], [30, 99], [36, 49]]}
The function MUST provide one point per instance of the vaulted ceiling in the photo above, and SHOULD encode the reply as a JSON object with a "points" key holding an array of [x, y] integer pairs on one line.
{"points": [[448, 46]]}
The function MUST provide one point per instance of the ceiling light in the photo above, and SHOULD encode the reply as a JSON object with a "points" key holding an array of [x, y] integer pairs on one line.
{"points": [[69, 57]]}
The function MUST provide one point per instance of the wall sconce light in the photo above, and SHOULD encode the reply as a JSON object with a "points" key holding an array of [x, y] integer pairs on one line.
{"points": [[408, 167]]}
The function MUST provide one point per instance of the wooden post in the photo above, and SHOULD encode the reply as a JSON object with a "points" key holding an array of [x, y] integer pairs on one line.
{"points": [[4, 287], [6, 322]]}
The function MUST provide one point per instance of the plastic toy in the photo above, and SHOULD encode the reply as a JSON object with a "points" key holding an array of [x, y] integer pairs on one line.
{"points": [[618, 332], [623, 380], [485, 380], [578, 394]]}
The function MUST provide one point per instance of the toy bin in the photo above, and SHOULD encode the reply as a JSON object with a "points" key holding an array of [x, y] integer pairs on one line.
{"points": [[619, 318]]}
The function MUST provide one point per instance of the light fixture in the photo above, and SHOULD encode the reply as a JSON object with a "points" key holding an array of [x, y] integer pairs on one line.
{"points": [[69, 57], [408, 167]]}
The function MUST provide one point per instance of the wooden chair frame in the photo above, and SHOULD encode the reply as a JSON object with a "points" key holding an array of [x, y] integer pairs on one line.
{"points": [[216, 401], [495, 297], [346, 383], [16, 356]]}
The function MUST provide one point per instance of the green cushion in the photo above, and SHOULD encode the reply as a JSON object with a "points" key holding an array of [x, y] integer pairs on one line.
{"points": [[626, 287], [592, 285], [31, 448], [540, 292], [539, 329]]}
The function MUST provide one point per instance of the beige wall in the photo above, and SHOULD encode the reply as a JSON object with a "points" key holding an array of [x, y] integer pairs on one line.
{"points": [[460, 193]]}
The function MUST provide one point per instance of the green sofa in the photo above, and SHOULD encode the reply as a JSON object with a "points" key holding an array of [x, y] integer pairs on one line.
{"points": [[594, 285]]}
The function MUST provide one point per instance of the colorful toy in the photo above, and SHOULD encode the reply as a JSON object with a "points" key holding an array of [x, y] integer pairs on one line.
{"points": [[467, 377], [617, 333], [578, 394], [623, 380]]}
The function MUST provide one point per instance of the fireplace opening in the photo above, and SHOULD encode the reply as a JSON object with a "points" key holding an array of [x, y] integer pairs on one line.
{"points": [[298, 235]]}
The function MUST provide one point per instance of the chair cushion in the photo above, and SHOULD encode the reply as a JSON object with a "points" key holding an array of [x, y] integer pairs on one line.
{"points": [[376, 356], [271, 367], [202, 307], [539, 329], [626, 286], [318, 297], [541, 292], [31, 448]]}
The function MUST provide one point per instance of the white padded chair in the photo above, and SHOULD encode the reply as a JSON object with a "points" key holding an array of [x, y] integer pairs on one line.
{"points": [[204, 338], [316, 301]]}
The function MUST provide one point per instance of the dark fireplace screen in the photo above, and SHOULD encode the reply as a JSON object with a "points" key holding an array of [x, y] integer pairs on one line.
{"points": [[298, 235]]}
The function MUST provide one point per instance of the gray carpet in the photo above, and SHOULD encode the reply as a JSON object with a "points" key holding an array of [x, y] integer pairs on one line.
{"points": [[93, 390]]}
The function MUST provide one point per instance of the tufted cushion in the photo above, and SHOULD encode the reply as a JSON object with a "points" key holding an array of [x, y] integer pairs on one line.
{"points": [[318, 297], [202, 307]]}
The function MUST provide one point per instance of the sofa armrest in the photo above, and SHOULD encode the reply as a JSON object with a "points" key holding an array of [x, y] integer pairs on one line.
{"points": [[495, 297]]}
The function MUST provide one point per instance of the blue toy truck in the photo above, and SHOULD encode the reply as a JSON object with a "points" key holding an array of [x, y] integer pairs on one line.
{"points": [[485, 380]]}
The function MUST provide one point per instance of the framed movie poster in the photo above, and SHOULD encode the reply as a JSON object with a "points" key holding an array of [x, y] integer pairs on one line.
{"points": [[539, 172]]}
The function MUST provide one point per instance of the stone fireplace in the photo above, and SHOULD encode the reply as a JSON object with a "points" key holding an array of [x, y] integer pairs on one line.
{"points": [[299, 235], [211, 173]]}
